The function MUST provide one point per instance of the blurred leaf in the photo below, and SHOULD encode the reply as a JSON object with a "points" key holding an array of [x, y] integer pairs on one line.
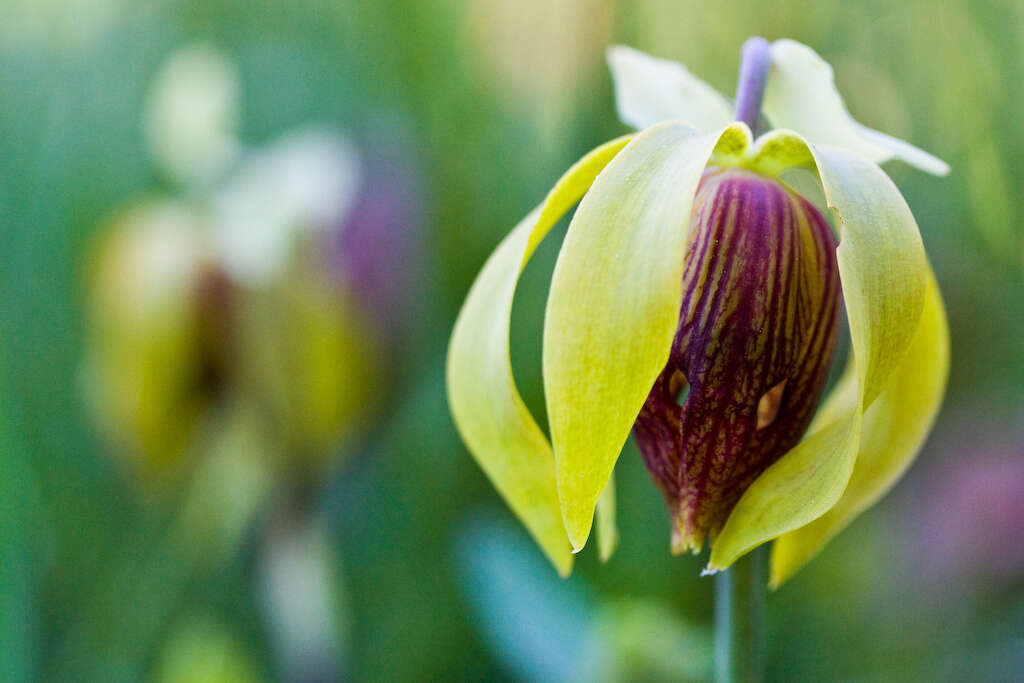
{"points": [[19, 610], [533, 622], [638, 640], [204, 651]]}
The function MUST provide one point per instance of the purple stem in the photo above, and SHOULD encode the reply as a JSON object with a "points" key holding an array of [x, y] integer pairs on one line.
{"points": [[754, 66]]}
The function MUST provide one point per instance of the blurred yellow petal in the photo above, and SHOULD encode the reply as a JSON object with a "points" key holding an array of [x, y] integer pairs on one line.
{"points": [[489, 412], [607, 529], [145, 332], [649, 90], [884, 275], [894, 429], [801, 95], [614, 305], [309, 352]]}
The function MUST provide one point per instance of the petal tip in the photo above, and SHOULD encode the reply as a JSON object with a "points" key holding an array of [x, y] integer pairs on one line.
{"points": [[578, 543], [608, 550], [613, 52], [938, 167]]}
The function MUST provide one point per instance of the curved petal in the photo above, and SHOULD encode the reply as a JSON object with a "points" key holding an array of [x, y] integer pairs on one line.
{"points": [[777, 151], [882, 263], [884, 275], [488, 410], [894, 429], [649, 90], [801, 94], [614, 305]]}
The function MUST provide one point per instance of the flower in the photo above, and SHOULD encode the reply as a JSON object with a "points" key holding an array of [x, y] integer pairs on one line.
{"points": [[614, 336], [749, 361], [267, 293]]}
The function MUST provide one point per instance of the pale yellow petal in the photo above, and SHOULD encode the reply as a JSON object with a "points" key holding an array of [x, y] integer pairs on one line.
{"points": [[649, 90], [614, 305], [607, 529], [490, 414], [801, 95], [894, 430]]}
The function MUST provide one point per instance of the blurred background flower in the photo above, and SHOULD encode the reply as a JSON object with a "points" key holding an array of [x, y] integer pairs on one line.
{"points": [[128, 514], [148, 378], [239, 328], [966, 509]]}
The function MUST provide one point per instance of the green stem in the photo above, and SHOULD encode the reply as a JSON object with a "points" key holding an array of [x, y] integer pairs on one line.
{"points": [[739, 591], [739, 620]]}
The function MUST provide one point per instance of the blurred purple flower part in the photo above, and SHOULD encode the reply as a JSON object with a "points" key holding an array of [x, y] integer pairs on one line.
{"points": [[972, 515], [377, 244]]}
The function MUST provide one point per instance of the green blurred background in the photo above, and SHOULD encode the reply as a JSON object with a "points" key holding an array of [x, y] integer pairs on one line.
{"points": [[397, 560]]}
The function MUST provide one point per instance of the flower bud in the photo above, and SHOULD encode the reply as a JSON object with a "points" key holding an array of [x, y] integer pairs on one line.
{"points": [[757, 331]]}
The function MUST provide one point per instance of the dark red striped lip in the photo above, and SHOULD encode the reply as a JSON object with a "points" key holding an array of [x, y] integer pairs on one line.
{"points": [[756, 336]]}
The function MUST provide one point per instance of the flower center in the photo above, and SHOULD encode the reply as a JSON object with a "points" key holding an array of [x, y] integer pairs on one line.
{"points": [[756, 335]]}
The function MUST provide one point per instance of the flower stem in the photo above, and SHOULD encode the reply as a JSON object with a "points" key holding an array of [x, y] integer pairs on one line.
{"points": [[739, 591], [739, 620], [754, 66]]}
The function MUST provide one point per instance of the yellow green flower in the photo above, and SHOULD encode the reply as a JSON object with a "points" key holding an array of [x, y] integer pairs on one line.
{"points": [[698, 291]]}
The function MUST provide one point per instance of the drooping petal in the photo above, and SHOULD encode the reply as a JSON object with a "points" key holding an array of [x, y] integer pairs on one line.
{"points": [[884, 273], [801, 95], [649, 90], [490, 414], [798, 488], [607, 530], [882, 263], [894, 429], [614, 304]]}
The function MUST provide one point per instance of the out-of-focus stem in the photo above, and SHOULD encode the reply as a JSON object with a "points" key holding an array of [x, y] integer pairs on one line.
{"points": [[739, 620]]}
